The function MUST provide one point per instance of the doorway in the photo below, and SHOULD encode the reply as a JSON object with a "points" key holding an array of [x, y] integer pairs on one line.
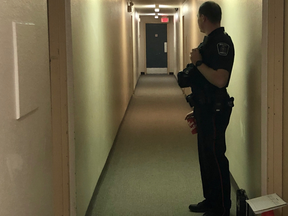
{"points": [[60, 57], [156, 48]]}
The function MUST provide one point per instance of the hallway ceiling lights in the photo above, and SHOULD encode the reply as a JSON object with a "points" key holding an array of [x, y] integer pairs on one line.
{"points": [[145, 10], [156, 16], [157, 8]]}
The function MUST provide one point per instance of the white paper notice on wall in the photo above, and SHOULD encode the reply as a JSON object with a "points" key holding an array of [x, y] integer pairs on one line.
{"points": [[25, 67]]}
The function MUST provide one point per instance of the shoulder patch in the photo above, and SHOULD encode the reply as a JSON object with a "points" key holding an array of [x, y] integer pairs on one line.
{"points": [[223, 49]]}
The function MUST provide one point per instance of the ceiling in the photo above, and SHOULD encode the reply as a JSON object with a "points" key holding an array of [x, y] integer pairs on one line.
{"points": [[144, 7], [164, 2]]}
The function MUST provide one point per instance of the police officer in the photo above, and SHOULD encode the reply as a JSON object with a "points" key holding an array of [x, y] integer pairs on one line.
{"points": [[214, 60]]}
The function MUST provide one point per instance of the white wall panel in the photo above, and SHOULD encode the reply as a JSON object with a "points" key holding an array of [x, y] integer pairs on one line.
{"points": [[25, 67]]}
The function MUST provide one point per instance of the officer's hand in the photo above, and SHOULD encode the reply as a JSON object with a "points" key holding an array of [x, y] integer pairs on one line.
{"points": [[195, 56]]}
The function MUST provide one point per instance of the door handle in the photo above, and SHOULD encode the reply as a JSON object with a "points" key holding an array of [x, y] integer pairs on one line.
{"points": [[165, 47]]}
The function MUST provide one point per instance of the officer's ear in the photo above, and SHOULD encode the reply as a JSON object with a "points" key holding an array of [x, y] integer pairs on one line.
{"points": [[202, 18]]}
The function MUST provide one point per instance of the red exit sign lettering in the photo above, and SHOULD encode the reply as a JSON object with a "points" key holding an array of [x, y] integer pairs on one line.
{"points": [[164, 19]]}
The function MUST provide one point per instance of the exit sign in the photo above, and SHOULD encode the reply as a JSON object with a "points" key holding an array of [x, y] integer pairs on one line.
{"points": [[164, 19]]}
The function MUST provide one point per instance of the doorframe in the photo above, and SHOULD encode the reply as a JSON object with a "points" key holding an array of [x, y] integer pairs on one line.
{"points": [[142, 41], [167, 40], [272, 97], [285, 113], [60, 57]]}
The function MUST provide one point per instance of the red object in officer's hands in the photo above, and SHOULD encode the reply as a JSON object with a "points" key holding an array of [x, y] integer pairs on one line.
{"points": [[269, 213], [192, 124]]}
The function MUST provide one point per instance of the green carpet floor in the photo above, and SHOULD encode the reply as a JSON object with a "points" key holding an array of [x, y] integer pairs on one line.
{"points": [[153, 166]]}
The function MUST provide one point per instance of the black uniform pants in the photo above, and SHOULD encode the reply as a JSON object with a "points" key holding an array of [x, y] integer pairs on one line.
{"points": [[214, 166]]}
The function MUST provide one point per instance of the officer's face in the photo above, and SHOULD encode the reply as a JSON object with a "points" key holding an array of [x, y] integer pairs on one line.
{"points": [[200, 22]]}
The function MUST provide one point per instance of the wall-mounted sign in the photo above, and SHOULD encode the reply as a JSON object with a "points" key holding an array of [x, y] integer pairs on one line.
{"points": [[164, 19]]}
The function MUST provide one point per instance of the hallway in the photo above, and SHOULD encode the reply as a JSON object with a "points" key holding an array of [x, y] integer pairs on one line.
{"points": [[153, 166], [69, 70]]}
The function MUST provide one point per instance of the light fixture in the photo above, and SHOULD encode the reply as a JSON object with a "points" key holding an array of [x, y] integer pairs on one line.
{"points": [[157, 8], [156, 16], [129, 6]]}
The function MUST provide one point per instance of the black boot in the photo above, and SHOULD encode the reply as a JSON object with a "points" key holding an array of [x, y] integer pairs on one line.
{"points": [[200, 207]]}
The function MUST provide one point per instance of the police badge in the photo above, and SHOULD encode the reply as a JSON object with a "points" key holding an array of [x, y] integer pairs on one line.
{"points": [[223, 49]]}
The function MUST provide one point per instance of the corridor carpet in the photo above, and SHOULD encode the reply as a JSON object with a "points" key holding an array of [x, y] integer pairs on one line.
{"points": [[153, 168]]}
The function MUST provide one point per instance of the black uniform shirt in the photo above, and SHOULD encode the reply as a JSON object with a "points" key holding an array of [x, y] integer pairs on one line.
{"points": [[217, 52]]}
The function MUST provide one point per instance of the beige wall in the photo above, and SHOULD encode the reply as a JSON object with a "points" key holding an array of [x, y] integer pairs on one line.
{"points": [[244, 132], [243, 22], [170, 45], [26, 150], [170, 42], [103, 84], [177, 42], [191, 35], [136, 47]]}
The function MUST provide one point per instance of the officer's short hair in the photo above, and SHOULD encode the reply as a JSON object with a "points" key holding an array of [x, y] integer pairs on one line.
{"points": [[212, 11]]}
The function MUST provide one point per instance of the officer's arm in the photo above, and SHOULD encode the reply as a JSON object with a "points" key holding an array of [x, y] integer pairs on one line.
{"points": [[218, 77]]}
